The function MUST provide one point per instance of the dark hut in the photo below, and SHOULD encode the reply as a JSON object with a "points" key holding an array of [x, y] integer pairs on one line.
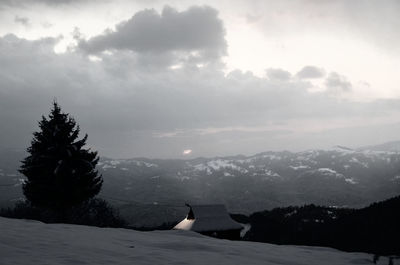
{"points": [[211, 220]]}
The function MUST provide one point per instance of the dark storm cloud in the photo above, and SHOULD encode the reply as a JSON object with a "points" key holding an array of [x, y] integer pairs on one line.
{"points": [[278, 74], [198, 29], [310, 72]]}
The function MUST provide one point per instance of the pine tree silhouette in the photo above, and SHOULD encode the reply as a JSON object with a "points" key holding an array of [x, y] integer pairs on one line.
{"points": [[60, 173]]}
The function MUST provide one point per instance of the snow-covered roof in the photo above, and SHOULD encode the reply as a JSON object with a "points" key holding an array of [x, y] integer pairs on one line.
{"points": [[207, 218]]}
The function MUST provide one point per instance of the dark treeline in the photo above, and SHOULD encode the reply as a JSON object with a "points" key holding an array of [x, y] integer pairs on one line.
{"points": [[93, 212], [374, 229]]}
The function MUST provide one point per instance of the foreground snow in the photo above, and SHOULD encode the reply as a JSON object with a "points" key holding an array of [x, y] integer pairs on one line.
{"points": [[31, 242]]}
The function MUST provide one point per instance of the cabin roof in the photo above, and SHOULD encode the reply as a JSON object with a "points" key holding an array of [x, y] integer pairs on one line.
{"points": [[207, 218]]}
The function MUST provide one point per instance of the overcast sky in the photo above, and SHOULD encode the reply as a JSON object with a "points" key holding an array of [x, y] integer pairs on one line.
{"points": [[153, 78]]}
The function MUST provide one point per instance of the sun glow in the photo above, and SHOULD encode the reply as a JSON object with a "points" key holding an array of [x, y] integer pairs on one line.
{"points": [[187, 152]]}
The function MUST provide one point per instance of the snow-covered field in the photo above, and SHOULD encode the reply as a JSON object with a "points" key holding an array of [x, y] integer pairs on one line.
{"points": [[31, 242]]}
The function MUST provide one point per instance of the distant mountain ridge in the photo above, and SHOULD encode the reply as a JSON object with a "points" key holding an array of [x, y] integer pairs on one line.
{"points": [[393, 146], [337, 177], [266, 180]]}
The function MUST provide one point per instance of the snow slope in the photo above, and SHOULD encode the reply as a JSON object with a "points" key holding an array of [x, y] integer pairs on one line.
{"points": [[31, 242]]}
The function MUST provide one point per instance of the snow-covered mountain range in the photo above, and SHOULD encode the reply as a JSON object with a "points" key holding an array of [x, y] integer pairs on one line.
{"points": [[336, 177]]}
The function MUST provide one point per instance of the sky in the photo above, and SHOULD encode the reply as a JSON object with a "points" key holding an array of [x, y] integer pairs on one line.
{"points": [[182, 79]]}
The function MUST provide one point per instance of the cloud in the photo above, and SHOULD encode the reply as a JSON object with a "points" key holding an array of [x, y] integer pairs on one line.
{"points": [[375, 22], [22, 20], [23, 3], [311, 72], [125, 107], [278, 74], [337, 84], [197, 32], [61, 2]]}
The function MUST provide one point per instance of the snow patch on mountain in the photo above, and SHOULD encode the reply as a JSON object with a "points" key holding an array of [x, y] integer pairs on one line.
{"points": [[299, 167], [20, 181], [308, 156], [106, 166], [331, 172], [272, 173], [142, 163], [272, 156], [350, 180], [114, 162], [202, 167], [123, 164], [218, 165], [356, 161], [396, 178], [227, 174]]}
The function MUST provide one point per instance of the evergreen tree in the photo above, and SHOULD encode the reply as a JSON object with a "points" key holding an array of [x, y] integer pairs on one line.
{"points": [[60, 172]]}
